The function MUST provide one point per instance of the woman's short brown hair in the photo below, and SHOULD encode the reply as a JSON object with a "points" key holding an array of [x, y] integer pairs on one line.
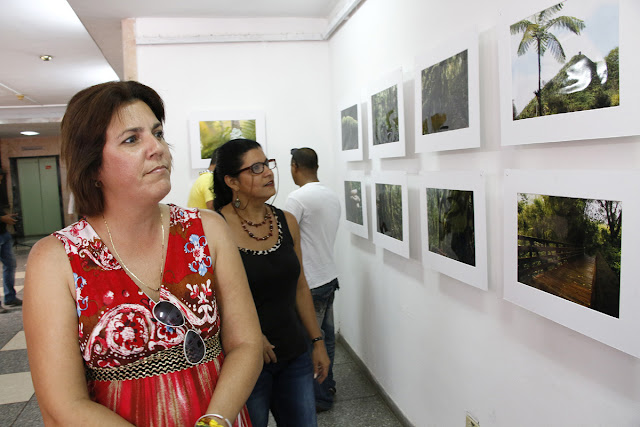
{"points": [[83, 132]]}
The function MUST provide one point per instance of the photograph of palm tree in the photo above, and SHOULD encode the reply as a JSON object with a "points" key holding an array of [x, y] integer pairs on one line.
{"points": [[349, 122], [571, 248], [445, 95], [389, 210], [451, 224], [565, 59], [353, 201], [215, 133], [384, 107]]}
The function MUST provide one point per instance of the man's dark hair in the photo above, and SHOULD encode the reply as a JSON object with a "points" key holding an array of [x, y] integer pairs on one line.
{"points": [[305, 158], [214, 157]]}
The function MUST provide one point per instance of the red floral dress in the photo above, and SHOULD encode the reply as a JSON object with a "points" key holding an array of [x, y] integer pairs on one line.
{"points": [[134, 364]]}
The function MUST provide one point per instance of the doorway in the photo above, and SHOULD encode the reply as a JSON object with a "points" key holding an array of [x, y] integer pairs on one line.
{"points": [[37, 195]]}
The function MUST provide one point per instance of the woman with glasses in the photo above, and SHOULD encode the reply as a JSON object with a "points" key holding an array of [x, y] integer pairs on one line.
{"points": [[139, 313], [269, 242]]}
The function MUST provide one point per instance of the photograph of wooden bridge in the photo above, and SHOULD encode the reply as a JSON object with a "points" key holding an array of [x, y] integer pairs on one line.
{"points": [[571, 248]]}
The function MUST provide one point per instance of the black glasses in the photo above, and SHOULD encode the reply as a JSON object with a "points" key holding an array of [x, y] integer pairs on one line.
{"points": [[168, 314], [258, 168]]}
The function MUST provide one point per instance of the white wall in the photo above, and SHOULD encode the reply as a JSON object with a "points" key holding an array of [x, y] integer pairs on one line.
{"points": [[437, 346], [289, 81], [440, 347]]}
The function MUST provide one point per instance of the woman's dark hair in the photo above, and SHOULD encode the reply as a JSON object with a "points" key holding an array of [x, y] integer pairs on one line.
{"points": [[229, 160], [83, 132]]}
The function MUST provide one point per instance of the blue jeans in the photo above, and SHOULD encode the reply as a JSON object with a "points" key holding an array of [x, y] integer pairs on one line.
{"points": [[287, 389], [8, 260], [323, 302]]}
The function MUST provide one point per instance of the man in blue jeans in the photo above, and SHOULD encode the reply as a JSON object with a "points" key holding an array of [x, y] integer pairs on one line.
{"points": [[7, 257], [317, 209]]}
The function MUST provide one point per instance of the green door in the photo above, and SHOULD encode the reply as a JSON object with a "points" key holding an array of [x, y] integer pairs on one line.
{"points": [[39, 188]]}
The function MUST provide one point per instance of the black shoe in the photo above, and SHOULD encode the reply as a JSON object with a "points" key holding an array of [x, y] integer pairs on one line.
{"points": [[15, 303], [332, 390]]}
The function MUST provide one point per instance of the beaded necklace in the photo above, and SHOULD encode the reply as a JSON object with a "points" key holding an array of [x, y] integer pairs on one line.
{"points": [[244, 223]]}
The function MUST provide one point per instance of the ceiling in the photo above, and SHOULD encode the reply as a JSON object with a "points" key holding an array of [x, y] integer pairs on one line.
{"points": [[84, 39]]}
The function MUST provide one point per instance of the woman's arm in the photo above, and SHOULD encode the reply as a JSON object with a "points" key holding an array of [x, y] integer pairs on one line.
{"points": [[240, 328], [306, 310], [51, 328]]}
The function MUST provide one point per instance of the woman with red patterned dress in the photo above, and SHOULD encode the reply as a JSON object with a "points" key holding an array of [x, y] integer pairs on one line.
{"points": [[140, 312]]}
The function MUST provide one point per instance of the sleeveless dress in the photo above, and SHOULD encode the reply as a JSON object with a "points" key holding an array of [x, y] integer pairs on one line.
{"points": [[134, 364]]}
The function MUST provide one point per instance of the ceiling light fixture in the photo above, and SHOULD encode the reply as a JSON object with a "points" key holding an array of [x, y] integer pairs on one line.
{"points": [[46, 57], [29, 133]]}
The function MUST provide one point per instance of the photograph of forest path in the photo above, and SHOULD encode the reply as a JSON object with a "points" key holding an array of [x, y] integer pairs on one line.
{"points": [[215, 133], [451, 224], [565, 59], [353, 201], [571, 248], [445, 95], [349, 123], [389, 210], [384, 109]]}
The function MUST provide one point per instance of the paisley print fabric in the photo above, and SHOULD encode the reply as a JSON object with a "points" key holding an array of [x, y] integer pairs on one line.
{"points": [[116, 326]]}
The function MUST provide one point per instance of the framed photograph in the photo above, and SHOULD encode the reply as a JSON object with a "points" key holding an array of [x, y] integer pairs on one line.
{"points": [[454, 225], [390, 214], [386, 117], [447, 97], [582, 83], [351, 132], [210, 129], [355, 205], [571, 239]]}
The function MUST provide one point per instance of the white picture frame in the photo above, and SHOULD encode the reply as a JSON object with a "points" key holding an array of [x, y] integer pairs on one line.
{"points": [[227, 132], [465, 128], [395, 235], [390, 88], [354, 205], [350, 134], [619, 330], [455, 253], [608, 122]]}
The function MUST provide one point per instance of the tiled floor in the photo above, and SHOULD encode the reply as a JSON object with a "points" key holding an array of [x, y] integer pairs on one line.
{"points": [[358, 403]]}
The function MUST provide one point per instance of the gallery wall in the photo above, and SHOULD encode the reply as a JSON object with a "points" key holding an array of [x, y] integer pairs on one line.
{"points": [[438, 347], [288, 81]]}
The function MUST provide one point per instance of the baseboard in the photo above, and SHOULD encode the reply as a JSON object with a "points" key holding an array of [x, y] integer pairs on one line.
{"points": [[387, 399]]}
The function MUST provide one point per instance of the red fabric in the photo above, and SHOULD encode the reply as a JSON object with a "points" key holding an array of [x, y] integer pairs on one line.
{"points": [[116, 325]]}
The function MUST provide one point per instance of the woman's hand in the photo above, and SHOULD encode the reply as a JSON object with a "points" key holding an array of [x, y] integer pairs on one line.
{"points": [[321, 361], [267, 351]]}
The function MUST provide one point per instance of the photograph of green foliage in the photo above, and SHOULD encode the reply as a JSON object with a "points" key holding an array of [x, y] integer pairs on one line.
{"points": [[386, 124], [451, 230], [445, 95], [565, 59], [349, 127], [571, 248], [389, 214], [353, 201], [215, 133]]}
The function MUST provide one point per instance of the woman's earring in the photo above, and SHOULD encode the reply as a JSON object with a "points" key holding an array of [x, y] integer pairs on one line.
{"points": [[97, 184], [236, 203]]}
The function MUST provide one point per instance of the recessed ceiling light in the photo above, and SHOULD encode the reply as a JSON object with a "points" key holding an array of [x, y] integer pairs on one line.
{"points": [[46, 57], [29, 133]]}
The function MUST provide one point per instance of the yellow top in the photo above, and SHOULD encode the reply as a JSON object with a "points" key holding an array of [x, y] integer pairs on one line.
{"points": [[201, 191]]}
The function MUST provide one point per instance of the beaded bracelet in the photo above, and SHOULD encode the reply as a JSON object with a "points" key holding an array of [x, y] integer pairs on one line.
{"points": [[207, 420]]}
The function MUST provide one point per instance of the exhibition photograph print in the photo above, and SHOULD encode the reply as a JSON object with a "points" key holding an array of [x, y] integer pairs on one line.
{"points": [[390, 213], [451, 231], [565, 58], [571, 248]]}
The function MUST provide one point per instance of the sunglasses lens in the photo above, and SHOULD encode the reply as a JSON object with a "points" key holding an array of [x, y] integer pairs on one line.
{"points": [[194, 348], [168, 314]]}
